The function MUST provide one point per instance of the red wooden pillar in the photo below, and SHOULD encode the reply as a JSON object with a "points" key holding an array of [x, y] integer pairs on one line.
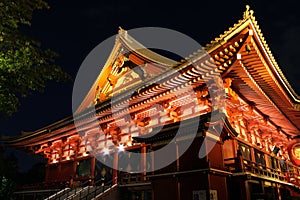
{"points": [[47, 172], [74, 168], [152, 162], [60, 164], [59, 175], [143, 162], [74, 164], [93, 163], [177, 156], [115, 167], [178, 188]]}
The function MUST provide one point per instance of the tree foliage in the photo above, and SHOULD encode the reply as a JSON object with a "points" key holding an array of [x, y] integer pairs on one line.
{"points": [[8, 175], [13, 179], [24, 65]]}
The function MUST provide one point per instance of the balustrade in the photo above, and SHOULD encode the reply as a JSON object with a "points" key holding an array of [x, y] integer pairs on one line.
{"points": [[264, 165]]}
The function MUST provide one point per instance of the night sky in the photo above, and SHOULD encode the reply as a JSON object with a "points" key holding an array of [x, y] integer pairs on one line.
{"points": [[74, 28]]}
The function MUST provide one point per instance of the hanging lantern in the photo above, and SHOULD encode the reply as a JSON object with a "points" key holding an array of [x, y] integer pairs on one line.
{"points": [[294, 151]]}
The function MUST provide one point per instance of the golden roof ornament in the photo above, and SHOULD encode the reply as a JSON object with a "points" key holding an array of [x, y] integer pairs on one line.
{"points": [[248, 13], [121, 30]]}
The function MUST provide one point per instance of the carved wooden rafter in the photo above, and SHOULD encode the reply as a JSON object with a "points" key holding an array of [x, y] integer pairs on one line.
{"points": [[252, 126]]}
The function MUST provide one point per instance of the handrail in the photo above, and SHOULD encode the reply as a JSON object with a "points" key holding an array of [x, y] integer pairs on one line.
{"points": [[105, 191], [58, 194], [89, 191], [74, 191], [109, 183]]}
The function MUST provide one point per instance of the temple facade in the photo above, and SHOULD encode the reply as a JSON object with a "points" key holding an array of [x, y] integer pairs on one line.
{"points": [[249, 146]]}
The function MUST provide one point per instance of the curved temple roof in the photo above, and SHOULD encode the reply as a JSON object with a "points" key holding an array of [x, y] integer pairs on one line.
{"points": [[250, 21], [240, 53], [257, 75], [126, 48]]}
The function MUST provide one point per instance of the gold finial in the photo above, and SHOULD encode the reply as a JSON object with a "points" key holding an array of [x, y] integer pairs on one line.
{"points": [[121, 30], [248, 13]]}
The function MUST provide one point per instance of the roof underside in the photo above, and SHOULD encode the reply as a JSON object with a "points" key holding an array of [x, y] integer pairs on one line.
{"points": [[257, 77]]}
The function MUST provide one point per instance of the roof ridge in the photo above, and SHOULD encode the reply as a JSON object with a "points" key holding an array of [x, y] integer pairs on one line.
{"points": [[139, 48], [246, 16]]}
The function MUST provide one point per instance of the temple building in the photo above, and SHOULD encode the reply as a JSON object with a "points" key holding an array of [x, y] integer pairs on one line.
{"points": [[250, 149]]}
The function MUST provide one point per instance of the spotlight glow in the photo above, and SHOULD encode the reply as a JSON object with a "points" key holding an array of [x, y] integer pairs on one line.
{"points": [[121, 147], [85, 154], [106, 151]]}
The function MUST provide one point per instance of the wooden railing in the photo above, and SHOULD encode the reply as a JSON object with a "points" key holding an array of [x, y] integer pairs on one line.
{"points": [[261, 170], [126, 178], [290, 173], [39, 186]]}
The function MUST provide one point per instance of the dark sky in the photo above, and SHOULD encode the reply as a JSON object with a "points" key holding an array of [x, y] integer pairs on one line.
{"points": [[74, 28]]}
